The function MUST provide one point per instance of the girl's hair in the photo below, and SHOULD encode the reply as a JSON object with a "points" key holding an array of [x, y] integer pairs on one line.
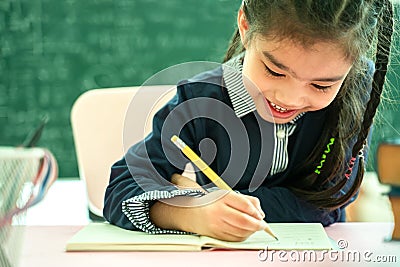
{"points": [[356, 25]]}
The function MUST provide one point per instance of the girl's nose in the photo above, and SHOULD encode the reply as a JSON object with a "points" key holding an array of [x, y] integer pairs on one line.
{"points": [[292, 96]]}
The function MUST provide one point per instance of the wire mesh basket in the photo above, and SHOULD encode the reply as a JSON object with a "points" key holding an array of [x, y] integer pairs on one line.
{"points": [[25, 176]]}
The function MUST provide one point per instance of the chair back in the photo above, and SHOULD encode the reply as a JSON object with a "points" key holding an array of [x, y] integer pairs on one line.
{"points": [[98, 119]]}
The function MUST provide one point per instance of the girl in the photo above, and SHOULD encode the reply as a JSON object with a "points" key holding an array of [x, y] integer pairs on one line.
{"points": [[308, 61]]}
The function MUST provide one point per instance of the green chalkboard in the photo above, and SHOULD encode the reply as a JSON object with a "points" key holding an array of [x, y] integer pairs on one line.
{"points": [[53, 51]]}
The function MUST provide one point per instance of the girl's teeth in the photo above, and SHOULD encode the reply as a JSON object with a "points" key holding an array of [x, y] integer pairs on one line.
{"points": [[278, 108]]}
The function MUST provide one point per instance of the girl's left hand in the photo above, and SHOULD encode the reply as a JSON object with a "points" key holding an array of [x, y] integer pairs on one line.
{"points": [[184, 182]]}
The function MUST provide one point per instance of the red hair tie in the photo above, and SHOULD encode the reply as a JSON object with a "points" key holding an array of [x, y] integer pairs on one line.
{"points": [[350, 169]]}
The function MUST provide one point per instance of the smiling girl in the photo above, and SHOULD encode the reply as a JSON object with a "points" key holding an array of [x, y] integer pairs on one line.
{"points": [[297, 81]]}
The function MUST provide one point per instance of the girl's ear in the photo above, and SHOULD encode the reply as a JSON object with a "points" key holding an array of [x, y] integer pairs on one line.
{"points": [[243, 26]]}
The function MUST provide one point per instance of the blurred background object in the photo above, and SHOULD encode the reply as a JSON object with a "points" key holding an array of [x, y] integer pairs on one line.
{"points": [[388, 160], [26, 175]]}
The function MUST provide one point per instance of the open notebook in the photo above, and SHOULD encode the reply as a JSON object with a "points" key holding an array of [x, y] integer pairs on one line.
{"points": [[106, 237]]}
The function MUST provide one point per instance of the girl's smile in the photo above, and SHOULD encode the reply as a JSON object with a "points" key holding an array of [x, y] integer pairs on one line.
{"points": [[280, 112]]}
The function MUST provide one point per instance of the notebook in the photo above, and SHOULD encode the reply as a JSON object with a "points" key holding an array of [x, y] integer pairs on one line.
{"points": [[107, 237]]}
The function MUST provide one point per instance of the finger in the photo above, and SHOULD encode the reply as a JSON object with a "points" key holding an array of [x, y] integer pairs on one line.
{"points": [[243, 204], [241, 221], [229, 232], [256, 202]]}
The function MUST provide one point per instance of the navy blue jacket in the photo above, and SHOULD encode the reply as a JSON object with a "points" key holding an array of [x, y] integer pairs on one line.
{"points": [[202, 110]]}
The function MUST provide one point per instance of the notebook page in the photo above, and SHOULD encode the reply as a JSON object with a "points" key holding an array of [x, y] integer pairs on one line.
{"points": [[291, 236], [103, 236]]}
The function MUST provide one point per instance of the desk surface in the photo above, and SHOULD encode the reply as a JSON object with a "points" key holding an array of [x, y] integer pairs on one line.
{"points": [[44, 246]]}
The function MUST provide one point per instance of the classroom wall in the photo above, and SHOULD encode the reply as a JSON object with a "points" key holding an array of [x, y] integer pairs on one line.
{"points": [[53, 51]]}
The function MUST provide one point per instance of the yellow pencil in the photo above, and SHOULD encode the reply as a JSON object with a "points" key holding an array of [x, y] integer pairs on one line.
{"points": [[193, 157]]}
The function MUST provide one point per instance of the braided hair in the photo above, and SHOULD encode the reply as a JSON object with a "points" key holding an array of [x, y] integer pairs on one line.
{"points": [[362, 28]]}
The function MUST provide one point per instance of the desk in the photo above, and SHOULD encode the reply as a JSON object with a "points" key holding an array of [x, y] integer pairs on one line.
{"points": [[44, 246]]}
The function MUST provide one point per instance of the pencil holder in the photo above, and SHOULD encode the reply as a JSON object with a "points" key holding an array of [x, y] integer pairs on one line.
{"points": [[25, 176], [388, 162]]}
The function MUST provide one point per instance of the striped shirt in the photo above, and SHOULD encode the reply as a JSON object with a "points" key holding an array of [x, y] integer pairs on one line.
{"points": [[137, 208], [243, 104]]}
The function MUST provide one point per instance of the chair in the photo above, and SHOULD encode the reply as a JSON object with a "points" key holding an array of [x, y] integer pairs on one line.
{"points": [[98, 119], [388, 163]]}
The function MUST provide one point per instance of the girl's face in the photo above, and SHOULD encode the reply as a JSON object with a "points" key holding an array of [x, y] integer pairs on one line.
{"points": [[286, 79]]}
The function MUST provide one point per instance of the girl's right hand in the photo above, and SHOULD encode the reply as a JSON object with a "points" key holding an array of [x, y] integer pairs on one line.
{"points": [[225, 215]]}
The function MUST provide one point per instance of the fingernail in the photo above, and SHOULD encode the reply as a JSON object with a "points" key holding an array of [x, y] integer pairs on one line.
{"points": [[258, 214], [260, 210], [262, 213]]}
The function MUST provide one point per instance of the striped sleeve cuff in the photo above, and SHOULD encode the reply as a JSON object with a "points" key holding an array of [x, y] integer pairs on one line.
{"points": [[137, 209]]}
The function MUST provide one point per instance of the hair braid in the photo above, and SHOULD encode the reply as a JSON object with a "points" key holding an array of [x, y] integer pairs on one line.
{"points": [[233, 46], [385, 31]]}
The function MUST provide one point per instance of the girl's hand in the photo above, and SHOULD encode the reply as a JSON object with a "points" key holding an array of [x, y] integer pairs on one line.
{"points": [[184, 182], [224, 215], [221, 214]]}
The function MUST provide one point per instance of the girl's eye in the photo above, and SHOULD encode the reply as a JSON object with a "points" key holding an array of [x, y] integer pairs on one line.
{"points": [[273, 73], [321, 88]]}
